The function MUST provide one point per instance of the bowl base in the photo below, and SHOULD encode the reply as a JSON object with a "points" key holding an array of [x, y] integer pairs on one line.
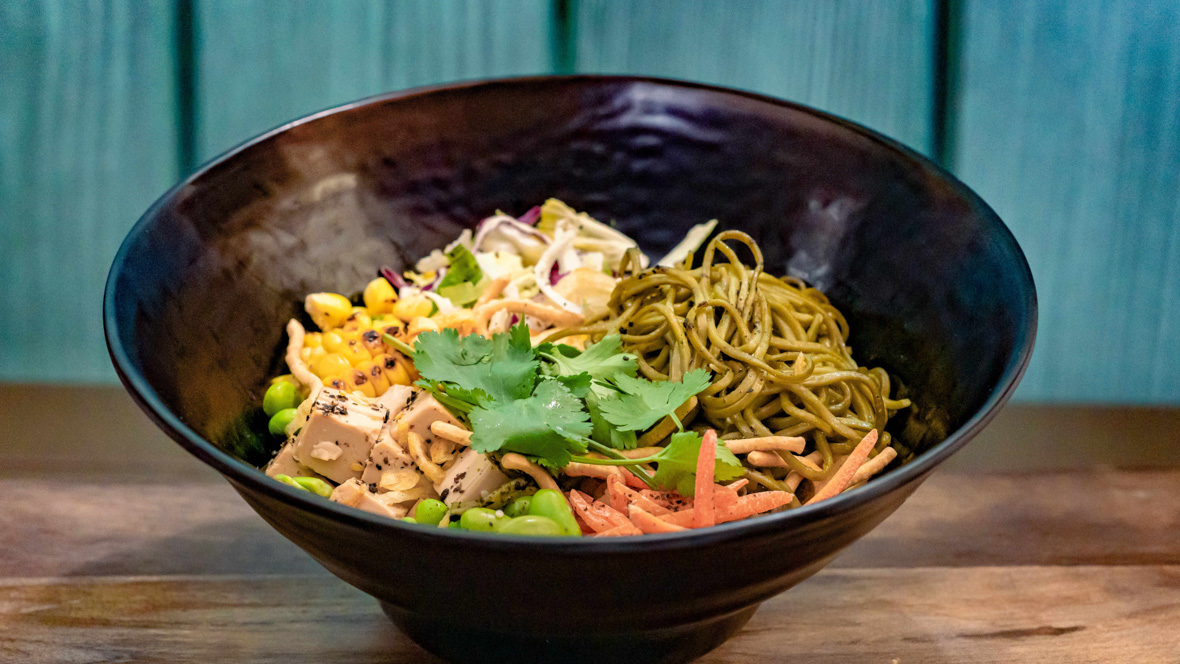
{"points": [[467, 643]]}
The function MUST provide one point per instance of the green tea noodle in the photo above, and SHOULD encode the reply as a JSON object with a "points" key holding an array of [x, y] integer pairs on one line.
{"points": [[776, 348]]}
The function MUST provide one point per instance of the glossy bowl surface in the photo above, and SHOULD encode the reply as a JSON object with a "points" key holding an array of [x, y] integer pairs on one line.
{"points": [[933, 284]]}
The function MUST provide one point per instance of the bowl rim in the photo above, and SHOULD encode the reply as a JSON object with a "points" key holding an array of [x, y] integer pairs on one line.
{"points": [[243, 475]]}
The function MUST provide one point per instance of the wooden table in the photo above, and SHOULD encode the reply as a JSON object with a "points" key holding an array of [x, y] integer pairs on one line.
{"points": [[158, 560], [1047, 567]]}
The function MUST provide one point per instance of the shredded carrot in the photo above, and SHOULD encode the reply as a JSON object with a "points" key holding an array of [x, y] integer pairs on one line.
{"points": [[702, 498], [650, 523], [633, 497], [843, 476], [667, 499], [621, 531], [618, 500], [754, 503], [598, 516]]}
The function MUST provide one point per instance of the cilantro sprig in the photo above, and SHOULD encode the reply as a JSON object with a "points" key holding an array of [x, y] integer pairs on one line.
{"points": [[677, 462], [555, 403]]}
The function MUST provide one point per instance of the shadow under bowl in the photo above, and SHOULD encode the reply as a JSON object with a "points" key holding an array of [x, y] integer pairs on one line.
{"points": [[934, 287]]}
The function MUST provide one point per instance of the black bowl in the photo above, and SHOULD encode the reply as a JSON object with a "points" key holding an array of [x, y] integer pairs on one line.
{"points": [[934, 286]]}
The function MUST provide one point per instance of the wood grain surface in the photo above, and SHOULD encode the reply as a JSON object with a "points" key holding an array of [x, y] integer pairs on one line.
{"points": [[982, 614], [1068, 124], [870, 61], [1042, 567], [87, 142]]}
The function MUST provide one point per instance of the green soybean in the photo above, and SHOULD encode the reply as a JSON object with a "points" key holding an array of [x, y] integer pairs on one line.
{"points": [[518, 507], [430, 512], [280, 420], [314, 485], [280, 396], [454, 523], [286, 479], [481, 519], [409, 519], [551, 504], [531, 524]]}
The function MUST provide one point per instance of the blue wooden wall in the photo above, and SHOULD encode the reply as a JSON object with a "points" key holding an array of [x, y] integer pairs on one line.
{"points": [[1065, 115]]}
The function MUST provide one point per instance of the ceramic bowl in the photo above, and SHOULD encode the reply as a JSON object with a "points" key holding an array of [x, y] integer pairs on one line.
{"points": [[933, 284]]}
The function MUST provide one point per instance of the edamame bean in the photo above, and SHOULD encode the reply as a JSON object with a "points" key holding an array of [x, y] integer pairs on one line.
{"points": [[280, 396], [314, 485], [481, 519], [551, 504], [530, 524], [454, 523], [409, 519], [430, 512], [286, 479], [278, 423], [518, 507]]}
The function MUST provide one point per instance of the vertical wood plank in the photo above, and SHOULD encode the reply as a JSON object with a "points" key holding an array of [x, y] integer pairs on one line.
{"points": [[87, 141], [868, 60], [1069, 125], [261, 63]]}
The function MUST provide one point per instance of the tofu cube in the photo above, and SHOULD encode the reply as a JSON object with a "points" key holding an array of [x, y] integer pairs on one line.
{"points": [[339, 434], [284, 463], [395, 399], [418, 416], [387, 457], [472, 475], [355, 494]]}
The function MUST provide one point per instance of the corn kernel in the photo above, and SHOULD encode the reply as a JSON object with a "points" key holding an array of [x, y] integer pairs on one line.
{"points": [[361, 380], [396, 370], [390, 326], [355, 352], [412, 307], [358, 320], [371, 340], [376, 374], [327, 310], [379, 296], [312, 340], [335, 382], [313, 355], [331, 364], [332, 341]]}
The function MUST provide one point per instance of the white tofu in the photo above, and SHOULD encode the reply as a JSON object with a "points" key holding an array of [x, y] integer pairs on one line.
{"points": [[395, 399], [284, 463], [355, 494], [339, 434], [472, 475], [386, 457], [418, 416]]}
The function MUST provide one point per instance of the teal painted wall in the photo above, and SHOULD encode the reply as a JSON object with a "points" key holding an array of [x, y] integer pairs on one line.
{"points": [[1064, 115]]}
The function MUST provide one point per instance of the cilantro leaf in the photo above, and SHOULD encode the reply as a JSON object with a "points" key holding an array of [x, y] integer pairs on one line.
{"points": [[502, 368], [603, 361], [463, 268], [643, 403], [579, 384], [546, 425], [604, 432], [676, 464]]}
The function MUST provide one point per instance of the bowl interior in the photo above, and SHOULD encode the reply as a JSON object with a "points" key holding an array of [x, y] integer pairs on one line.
{"points": [[934, 287]]}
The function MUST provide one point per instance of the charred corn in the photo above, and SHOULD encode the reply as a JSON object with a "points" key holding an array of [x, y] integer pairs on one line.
{"points": [[327, 310], [379, 296]]}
